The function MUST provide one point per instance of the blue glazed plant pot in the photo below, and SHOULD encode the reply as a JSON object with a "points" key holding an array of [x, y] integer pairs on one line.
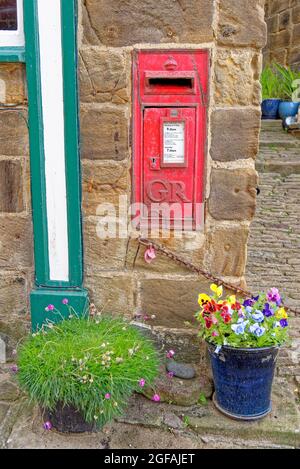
{"points": [[269, 108], [288, 109], [243, 380]]}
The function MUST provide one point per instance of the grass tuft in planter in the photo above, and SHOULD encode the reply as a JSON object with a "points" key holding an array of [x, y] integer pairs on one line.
{"points": [[91, 365]]}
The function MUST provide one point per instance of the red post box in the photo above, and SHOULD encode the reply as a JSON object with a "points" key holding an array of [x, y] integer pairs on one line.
{"points": [[169, 134]]}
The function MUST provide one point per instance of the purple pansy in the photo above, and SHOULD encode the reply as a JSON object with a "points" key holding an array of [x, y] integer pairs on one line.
{"points": [[274, 296], [283, 323], [267, 311], [249, 302]]}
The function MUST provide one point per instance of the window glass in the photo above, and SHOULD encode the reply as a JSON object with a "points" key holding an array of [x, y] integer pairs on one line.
{"points": [[8, 15]]}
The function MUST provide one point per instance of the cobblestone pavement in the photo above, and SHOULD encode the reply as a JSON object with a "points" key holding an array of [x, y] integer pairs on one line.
{"points": [[274, 244]]}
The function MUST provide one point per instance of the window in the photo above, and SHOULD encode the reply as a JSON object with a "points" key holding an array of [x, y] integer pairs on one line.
{"points": [[11, 23]]}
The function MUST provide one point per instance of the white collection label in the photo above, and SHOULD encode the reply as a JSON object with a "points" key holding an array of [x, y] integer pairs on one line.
{"points": [[174, 142]]}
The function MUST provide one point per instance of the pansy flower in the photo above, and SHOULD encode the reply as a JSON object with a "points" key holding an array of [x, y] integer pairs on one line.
{"points": [[248, 302], [240, 327], [267, 311], [208, 322], [257, 330], [211, 307], [283, 323], [217, 290], [274, 296], [226, 317], [281, 314], [258, 316], [203, 299]]}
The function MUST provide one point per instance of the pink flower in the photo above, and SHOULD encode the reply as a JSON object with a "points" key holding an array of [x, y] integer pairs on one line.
{"points": [[142, 383], [150, 255], [107, 396], [50, 308], [47, 426], [65, 301], [215, 334], [170, 354], [170, 374], [156, 398]]}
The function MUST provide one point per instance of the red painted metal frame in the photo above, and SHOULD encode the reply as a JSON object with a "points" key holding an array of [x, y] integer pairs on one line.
{"points": [[188, 64]]}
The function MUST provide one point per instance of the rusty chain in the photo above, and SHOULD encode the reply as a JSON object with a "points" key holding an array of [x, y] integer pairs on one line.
{"points": [[189, 265]]}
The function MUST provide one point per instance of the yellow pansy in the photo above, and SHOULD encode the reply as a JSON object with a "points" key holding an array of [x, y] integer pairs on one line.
{"points": [[203, 298], [217, 290], [281, 314], [232, 300]]}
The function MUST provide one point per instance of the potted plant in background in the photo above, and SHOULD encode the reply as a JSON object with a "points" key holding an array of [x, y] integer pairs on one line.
{"points": [[271, 93], [289, 79], [243, 341], [82, 371]]}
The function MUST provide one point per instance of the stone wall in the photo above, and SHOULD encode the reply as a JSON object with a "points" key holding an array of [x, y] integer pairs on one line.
{"points": [[117, 276], [16, 251], [283, 21]]}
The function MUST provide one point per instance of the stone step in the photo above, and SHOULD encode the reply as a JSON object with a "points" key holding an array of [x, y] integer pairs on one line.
{"points": [[281, 427]]}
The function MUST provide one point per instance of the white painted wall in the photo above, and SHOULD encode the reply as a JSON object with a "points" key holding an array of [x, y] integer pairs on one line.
{"points": [[49, 18]]}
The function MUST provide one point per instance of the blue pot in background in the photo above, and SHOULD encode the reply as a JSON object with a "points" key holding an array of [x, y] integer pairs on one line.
{"points": [[269, 108], [288, 109], [243, 380]]}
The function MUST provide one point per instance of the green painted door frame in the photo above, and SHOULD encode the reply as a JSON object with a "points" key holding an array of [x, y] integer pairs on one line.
{"points": [[49, 291]]}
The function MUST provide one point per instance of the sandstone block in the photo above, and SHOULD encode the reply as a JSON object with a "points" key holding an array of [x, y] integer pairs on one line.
{"points": [[11, 186], [276, 6], [233, 194], [284, 20], [180, 392], [8, 389], [281, 39], [118, 24], [102, 254], [13, 298], [16, 249], [103, 183], [112, 294], [173, 302], [235, 134], [273, 24], [14, 139], [191, 247], [237, 77], [296, 14], [242, 23], [103, 76], [294, 56], [104, 134], [12, 83], [296, 35], [228, 251]]}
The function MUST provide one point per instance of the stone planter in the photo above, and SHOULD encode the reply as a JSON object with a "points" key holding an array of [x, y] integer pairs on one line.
{"points": [[67, 419], [243, 380]]}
